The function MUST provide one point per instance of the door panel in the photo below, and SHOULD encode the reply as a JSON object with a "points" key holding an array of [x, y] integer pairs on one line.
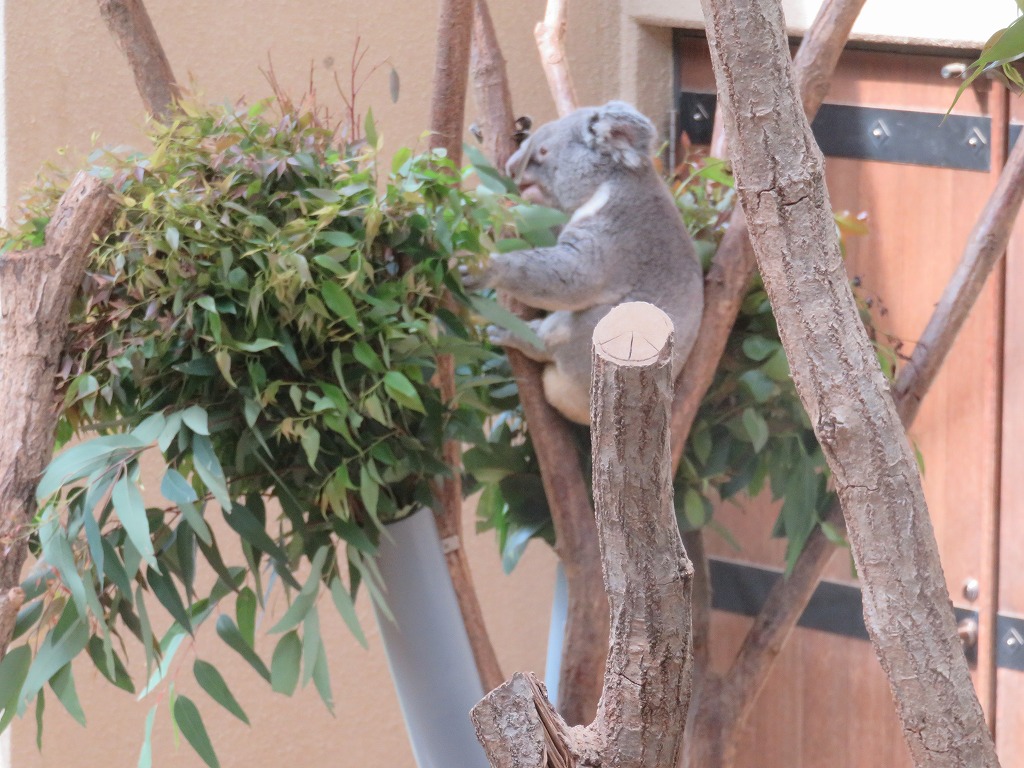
{"points": [[828, 701]]}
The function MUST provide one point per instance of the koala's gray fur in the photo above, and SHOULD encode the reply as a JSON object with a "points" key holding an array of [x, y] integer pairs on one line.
{"points": [[625, 241]]}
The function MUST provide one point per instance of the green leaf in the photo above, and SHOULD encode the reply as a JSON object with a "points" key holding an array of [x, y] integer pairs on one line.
{"points": [[493, 312], [340, 303], [146, 752], [245, 613], [347, 610], [229, 633], [322, 680], [60, 646], [401, 390], [338, 240], [13, 671], [758, 348], [186, 715], [304, 601], [213, 683], [311, 445], [756, 427], [176, 489], [369, 491], [119, 675], [311, 644], [693, 508], [207, 465], [244, 522], [196, 419], [63, 684], [168, 648], [370, 128], [284, 667], [83, 459], [165, 591], [132, 512]]}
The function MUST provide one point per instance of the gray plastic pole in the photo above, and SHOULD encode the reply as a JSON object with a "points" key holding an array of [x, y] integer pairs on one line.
{"points": [[427, 648], [556, 634]]}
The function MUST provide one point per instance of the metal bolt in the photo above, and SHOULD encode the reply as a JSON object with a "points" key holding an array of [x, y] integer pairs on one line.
{"points": [[877, 133], [971, 589]]}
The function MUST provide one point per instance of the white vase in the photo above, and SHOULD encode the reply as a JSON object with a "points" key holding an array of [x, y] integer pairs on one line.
{"points": [[427, 647]]}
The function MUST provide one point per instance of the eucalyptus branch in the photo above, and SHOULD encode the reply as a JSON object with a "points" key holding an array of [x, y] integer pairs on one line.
{"points": [[133, 30], [550, 36]]}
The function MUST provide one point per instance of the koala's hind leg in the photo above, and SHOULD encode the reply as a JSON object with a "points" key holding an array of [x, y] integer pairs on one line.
{"points": [[566, 395]]}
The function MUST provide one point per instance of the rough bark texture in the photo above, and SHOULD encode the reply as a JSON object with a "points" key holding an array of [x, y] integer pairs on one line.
{"points": [[647, 576], [447, 113], [36, 288], [490, 88], [131, 26], [789, 596], [727, 282], [780, 178], [550, 36], [451, 74]]}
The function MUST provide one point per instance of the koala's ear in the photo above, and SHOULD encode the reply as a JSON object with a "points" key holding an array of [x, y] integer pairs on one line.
{"points": [[622, 132]]}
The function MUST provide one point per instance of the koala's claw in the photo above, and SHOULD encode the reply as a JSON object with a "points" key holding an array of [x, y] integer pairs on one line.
{"points": [[497, 335], [470, 281]]}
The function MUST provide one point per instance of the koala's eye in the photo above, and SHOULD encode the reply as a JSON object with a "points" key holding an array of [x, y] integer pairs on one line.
{"points": [[542, 152]]}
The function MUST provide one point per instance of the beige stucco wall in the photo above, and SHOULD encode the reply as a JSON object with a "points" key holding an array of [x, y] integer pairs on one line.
{"points": [[65, 82]]}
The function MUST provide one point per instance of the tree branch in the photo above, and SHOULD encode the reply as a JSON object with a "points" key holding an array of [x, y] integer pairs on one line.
{"points": [[550, 36], [729, 277], [490, 88], [447, 114], [133, 30], [781, 188], [585, 644], [36, 289], [647, 575]]}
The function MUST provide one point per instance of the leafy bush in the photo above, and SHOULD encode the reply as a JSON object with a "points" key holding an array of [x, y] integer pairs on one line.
{"points": [[265, 320]]}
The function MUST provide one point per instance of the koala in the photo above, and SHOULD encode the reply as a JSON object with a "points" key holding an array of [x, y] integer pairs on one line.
{"points": [[624, 241]]}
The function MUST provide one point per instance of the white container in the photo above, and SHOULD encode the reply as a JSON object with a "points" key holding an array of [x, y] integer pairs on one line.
{"points": [[427, 647]]}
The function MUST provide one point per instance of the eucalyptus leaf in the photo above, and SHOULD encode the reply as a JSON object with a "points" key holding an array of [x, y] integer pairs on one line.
{"points": [[187, 718]]}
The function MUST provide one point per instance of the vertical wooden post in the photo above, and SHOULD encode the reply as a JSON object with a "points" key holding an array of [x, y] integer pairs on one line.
{"points": [[647, 575]]}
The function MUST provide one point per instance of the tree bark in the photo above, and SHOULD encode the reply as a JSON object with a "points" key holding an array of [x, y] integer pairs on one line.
{"points": [[729, 278], [36, 289], [788, 598], [780, 179], [133, 30], [447, 114], [647, 576], [550, 36], [490, 88], [585, 644]]}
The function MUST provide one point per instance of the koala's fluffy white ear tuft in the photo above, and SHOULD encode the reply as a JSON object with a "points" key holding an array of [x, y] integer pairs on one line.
{"points": [[618, 129]]}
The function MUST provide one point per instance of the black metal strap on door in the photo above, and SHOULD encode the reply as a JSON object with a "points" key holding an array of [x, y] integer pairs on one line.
{"points": [[871, 133], [837, 608]]}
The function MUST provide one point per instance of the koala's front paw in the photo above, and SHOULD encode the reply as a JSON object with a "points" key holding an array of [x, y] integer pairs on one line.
{"points": [[474, 278]]}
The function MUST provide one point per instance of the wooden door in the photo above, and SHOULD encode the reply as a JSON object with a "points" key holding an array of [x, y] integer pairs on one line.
{"points": [[828, 702], [1009, 631]]}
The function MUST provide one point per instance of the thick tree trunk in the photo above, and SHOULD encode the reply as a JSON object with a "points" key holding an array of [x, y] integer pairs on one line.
{"points": [[36, 289], [490, 88], [647, 576], [131, 26], [780, 178]]}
